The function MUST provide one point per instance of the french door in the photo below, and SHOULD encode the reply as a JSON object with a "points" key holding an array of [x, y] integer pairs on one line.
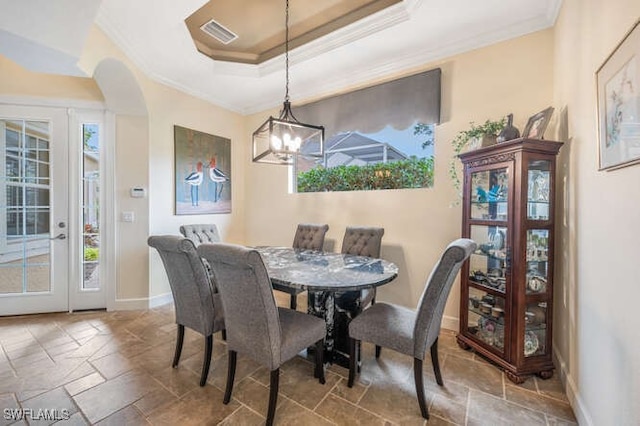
{"points": [[34, 209], [51, 211]]}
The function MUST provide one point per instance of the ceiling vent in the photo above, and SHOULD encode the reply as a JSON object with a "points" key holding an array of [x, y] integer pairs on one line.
{"points": [[219, 32]]}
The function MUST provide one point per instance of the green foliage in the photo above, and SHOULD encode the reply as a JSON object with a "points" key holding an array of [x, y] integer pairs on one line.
{"points": [[411, 173], [462, 139], [426, 130], [86, 135], [91, 254]]}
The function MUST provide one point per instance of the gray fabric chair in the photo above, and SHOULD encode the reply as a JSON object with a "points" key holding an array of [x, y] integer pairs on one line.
{"points": [[197, 303], [363, 241], [201, 233], [308, 236], [412, 332], [256, 327]]}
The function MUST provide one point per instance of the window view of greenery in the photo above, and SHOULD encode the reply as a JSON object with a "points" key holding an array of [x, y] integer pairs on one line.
{"points": [[388, 159], [91, 206]]}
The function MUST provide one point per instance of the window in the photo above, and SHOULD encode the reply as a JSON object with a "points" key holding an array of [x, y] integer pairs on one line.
{"points": [[380, 137], [91, 205], [26, 158]]}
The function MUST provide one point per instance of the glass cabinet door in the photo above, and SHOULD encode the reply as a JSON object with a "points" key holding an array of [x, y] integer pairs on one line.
{"points": [[486, 318], [537, 255], [488, 264], [535, 333], [539, 180], [489, 194]]}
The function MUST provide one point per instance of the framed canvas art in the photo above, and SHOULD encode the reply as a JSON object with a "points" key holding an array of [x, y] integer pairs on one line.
{"points": [[618, 84], [202, 172]]}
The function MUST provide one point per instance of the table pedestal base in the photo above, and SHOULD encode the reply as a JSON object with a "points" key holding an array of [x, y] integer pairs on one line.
{"points": [[337, 309]]}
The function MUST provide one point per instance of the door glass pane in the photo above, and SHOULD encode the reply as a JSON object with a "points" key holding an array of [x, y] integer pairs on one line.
{"points": [[487, 318], [489, 194], [25, 210], [539, 178], [91, 206], [537, 260], [488, 264], [535, 333]]}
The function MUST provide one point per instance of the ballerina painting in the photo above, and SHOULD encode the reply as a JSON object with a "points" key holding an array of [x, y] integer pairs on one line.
{"points": [[202, 172]]}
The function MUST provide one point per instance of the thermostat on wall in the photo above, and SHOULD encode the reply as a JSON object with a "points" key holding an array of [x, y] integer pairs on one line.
{"points": [[138, 192]]}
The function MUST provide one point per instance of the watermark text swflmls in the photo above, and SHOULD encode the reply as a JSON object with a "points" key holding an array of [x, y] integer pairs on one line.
{"points": [[55, 414]]}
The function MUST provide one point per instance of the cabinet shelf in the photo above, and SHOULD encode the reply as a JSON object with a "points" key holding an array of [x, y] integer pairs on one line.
{"points": [[485, 287], [506, 302]]}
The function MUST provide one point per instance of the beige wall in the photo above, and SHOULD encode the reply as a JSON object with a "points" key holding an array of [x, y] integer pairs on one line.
{"points": [[148, 161], [597, 325], [514, 76], [132, 255], [18, 81]]}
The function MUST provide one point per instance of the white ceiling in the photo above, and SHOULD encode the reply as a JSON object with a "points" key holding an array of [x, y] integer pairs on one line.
{"points": [[152, 33]]}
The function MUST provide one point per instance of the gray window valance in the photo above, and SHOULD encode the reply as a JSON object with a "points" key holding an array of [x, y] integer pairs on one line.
{"points": [[398, 103]]}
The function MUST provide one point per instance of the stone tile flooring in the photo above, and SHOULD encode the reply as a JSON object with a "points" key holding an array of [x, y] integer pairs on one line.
{"points": [[114, 368]]}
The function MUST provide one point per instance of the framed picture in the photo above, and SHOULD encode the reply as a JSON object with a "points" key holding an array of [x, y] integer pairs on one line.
{"points": [[537, 124], [202, 172], [618, 84]]}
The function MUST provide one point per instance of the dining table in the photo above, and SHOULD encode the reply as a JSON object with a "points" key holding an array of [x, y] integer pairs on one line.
{"points": [[334, 282]]}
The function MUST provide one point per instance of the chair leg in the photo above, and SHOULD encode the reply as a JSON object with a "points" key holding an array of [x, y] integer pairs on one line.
{"points": [[179, 341], [436, 363], [208, 344], [319, 373], [378, 350], [273, 395], [293, 304], [231, 374], [352, 361], [417, 376]]}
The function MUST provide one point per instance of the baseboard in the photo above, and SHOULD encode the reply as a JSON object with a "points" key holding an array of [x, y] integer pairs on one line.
{"points": [[142, 302], [450, 323], [570, 388], [160, 300]]}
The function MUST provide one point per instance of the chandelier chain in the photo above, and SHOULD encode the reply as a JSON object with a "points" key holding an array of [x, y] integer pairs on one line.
{"points": [[286, 50]]}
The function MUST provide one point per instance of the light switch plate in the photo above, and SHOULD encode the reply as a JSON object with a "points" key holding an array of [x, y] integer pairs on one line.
{"points": [[128, 216]]}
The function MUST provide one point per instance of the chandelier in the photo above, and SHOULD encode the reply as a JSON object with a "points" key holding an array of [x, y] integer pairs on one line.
{"points": [[280, 140]]}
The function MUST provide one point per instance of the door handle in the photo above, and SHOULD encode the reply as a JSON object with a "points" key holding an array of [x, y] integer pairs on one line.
{"points": [[59, 237]]}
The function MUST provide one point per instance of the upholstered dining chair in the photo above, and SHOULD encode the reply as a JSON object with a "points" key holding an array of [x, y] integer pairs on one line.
{"points": [[197, 303], [201, 233], [363, 241], [412, 332], [256, 327], [309, 236]]}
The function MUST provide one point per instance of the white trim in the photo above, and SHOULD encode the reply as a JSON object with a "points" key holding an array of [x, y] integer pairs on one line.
{"points": [[51, 102], [110, 237], [141, 303], [572, 392], [450, 323], [160, 300]]}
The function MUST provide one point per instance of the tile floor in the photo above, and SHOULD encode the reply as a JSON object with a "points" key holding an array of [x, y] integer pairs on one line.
{"points": [[114, 368]]}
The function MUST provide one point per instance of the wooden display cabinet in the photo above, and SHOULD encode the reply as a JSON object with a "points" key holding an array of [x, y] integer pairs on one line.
{"points": [[506, 304]]}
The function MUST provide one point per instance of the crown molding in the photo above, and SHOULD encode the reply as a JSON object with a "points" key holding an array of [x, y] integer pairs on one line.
{"points": [[408, 61], [333, 83]]}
